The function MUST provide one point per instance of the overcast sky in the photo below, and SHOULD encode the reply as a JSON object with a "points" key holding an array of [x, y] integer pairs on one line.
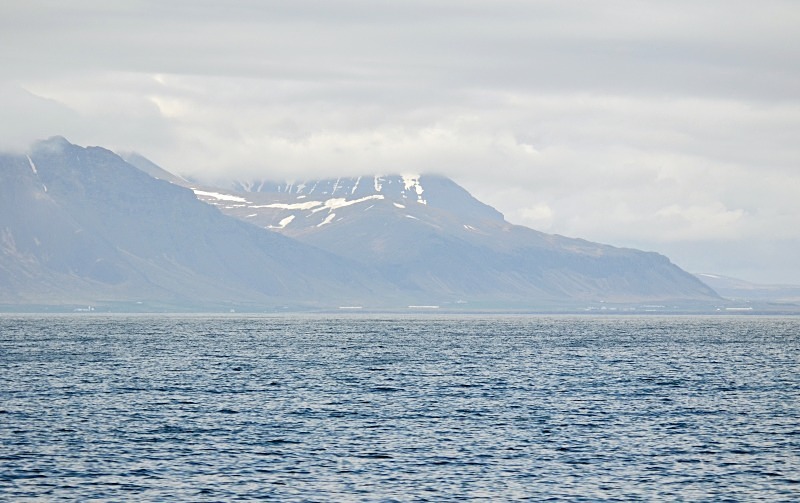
{"points": [[667, 126]]}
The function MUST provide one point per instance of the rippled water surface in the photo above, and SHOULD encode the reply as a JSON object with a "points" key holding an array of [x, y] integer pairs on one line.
{"points": [[313, 408]]}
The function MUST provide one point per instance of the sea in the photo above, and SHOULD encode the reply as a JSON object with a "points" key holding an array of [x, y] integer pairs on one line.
{"points": [[368, 407]]}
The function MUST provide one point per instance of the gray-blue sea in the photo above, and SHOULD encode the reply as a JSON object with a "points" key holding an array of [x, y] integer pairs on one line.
{"points": [[399, 408]]}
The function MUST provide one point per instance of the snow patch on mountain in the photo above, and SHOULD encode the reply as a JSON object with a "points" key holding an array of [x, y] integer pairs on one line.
{"points": [[341, 202], [35, 171], [327, 220], [311, 201], [411, 182], [307, 205], [33, 166], [220, 197], [283, 223]]}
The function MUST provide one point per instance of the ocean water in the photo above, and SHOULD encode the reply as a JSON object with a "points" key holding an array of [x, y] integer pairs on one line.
{"points": [[399, 408]]}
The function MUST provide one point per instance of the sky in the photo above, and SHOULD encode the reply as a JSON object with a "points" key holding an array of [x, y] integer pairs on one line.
{"points": [[665, 126]]}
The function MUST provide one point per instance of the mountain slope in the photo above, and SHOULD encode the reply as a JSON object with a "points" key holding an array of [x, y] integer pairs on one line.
{"points": [[737, 289], [81, 225], [430, 236]]}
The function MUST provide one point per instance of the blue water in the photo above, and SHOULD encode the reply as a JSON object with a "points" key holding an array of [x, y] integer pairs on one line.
{"points": [[393, 408]]}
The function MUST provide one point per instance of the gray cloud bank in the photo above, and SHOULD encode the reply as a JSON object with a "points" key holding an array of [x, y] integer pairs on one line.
{"points": [[669, 126]]}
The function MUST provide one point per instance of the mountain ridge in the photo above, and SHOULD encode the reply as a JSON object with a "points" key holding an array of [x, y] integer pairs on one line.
{"points": [[82, 223], [430, 234]]}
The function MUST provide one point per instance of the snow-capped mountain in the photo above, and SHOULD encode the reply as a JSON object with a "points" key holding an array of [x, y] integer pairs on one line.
{"points": [[297, 208], [428, 235]]}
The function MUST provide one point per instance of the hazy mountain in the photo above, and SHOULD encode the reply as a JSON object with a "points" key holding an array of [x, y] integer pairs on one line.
{"points": [[428, 235], [152, 169], [81, 225], [737, 289]]}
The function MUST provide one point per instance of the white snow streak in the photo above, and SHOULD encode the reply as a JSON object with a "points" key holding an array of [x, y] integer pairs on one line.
{"points": [[33, 166], [327, 220], [283, 223], [315, 206], [35, 172], [398, 205], [290, 206], [220, 197], [340, 202]]}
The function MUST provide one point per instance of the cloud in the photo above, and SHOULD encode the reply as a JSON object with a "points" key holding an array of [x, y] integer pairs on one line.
{"points": [[27, 117]]}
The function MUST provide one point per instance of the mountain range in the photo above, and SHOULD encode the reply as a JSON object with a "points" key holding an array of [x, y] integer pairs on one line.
{"points": [[86, 226]]}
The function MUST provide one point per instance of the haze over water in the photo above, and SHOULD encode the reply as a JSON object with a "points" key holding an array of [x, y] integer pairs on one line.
{"points": [[299, 408]]}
